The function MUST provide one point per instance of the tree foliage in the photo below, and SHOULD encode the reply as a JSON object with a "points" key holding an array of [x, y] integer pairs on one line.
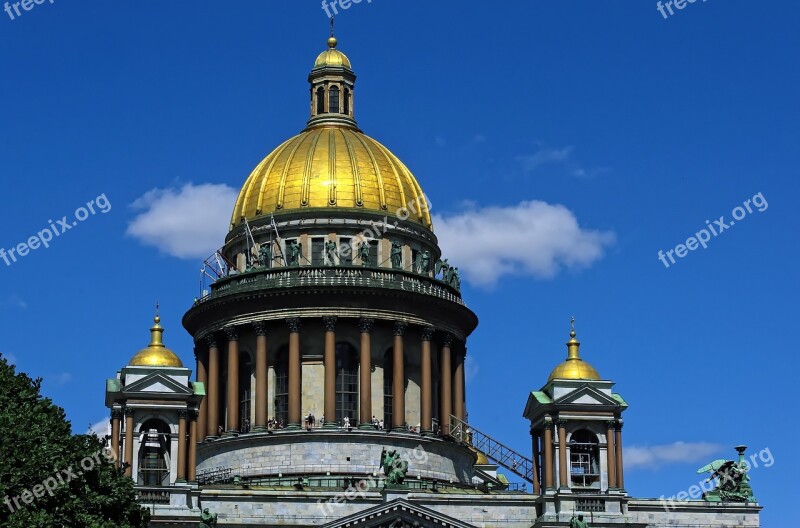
{"points": [[68, 480]]}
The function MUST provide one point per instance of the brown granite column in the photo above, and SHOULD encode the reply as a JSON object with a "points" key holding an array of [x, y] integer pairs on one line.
{"points": [[183, 414], [365, 374], [116, 416], [620, 471], [548, 456], [329, 360], [129, 442], [202, 377], [191, 470], [262, 372], [445, 392], [458, 388], [232, 400], [295, 373], [399, 379], [537, 488], [563, 481], [610, 458], [426, 393], [212, 394]]}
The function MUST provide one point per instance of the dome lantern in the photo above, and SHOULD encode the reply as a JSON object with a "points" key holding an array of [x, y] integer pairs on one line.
{"points": [[332, 83]]}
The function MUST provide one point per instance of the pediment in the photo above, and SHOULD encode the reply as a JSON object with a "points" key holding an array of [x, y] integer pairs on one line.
{"points": [[157, 384], [398, 513], [587, 396]]}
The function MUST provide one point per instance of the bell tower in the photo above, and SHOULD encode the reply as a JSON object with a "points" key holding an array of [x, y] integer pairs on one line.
{"points": [[576, 429], [332, 85]]}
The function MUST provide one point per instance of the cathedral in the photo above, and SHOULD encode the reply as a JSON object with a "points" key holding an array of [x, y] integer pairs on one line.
{"points": [[329, 384]]}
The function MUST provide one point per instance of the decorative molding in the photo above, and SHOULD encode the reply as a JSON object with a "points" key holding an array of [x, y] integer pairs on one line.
{"points": [[294, 324], [427, 333], [128, 413], [260, 327], [183, 414], [447, 339], [365, 324], [400, 328], [211, 340], [194, 414], [330, 323], [116, 413], [562, 423]]}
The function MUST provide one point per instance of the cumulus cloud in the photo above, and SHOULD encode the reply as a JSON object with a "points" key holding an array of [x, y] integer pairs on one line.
{"points": [[190, 222], [652, 457], [533, 238]]}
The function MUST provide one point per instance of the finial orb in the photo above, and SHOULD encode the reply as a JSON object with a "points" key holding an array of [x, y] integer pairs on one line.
{"points": [[332, 42]]}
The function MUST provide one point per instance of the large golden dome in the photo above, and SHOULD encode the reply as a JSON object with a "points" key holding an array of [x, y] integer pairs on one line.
{"points": [[156, 354], [327, 167]]}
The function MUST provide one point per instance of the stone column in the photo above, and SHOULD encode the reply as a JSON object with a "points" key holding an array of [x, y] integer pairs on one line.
{"points": [[295, 386], [446, 394], [537, 487], [563, 480], [202, 377], [329, 361], [262, 382], [610, 458], [620, 472], [116, 416], [399, 379], [183, 414], [129, 442], [365, 374], [458, 388], [212, 395], [548, 456], [426, 396], [232, 401], [191, 470]]}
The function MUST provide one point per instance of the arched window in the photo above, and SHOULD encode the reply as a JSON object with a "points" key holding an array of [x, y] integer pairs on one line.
{"points": [[154, 454], [584, 459], [245, 392], [346, 110], [320, 100], [388, 387], [333, 104], [282, 386], [346, 383]]}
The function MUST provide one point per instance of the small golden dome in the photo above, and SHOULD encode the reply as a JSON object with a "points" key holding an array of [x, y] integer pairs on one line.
{"points": [[332, 57], [482, 460], [156, 354], [574, 367], [328, 167]]}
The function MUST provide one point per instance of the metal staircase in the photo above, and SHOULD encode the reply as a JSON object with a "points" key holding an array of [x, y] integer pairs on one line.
{"points": [[494, 450]]}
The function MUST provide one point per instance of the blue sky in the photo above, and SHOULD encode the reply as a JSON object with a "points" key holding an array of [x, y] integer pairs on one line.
{"points": [[562, 145]]}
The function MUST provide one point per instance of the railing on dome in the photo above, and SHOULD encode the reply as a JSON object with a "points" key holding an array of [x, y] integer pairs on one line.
{"points": [[291, 277], [494, 450], [217, 475]]}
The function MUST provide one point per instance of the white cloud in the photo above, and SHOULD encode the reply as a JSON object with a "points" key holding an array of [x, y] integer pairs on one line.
{"points": [[532, 238], [652, 457], [470, 369], [101, 428], [10, 358], [190, 222], [60, 379], [545, 156]]}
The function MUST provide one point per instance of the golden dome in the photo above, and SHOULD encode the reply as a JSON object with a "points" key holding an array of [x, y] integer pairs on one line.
{"points": [[482, 460], [331, 166], [156, 354], [332, 57], [574, 368]]}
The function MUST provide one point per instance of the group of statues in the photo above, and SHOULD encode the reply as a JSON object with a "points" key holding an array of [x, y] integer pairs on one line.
{"points": [[394, 467], [330, 258], [733, 482]]}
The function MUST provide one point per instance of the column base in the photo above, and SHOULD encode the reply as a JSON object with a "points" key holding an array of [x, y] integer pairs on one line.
{"points": [[293, 427], [425, 432], [399, 430], [259, 429], [367, 427], [229, 434], [180, 481]]}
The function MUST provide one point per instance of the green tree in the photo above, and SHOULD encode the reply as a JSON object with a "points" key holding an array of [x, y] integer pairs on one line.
{"points": [[50, 477]]}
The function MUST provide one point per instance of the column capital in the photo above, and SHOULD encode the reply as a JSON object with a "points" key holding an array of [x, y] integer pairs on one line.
{"points": [[447, 339], [365, 324], [618, 425], [194, 414], [231, 333], [400, 328], [211, 340], [183, 414], [116, 413], [294, 324], [427, 333], [128, 413], [611, 424], [562, 422], [260, 327], [330, 323]]}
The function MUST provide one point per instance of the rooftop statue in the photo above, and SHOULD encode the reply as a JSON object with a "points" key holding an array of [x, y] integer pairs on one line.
{"points": [[208, 519], [732, 479], [265, 254], [363, 254], [423, 262], [331, 254], [441, 266], [394, 467], [578, 522], [295, 249], [397, 255]]}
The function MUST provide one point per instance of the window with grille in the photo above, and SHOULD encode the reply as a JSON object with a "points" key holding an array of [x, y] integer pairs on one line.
{"points": [[333, 106], [282, 388], [584, 459], [388, 396], [346, 383], [317, 251], [346, 252]]}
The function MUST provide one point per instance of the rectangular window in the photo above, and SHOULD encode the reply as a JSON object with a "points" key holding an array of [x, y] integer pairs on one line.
{"points": [[346, 251], [317, 251]]}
